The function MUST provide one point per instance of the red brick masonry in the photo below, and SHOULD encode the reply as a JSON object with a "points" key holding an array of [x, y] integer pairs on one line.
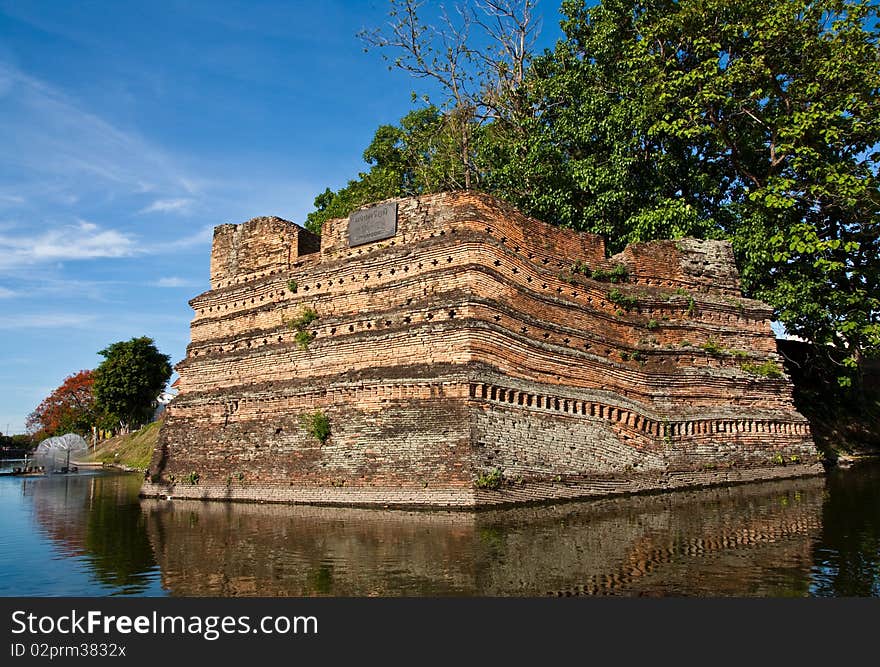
{"points": [[475, 340]]}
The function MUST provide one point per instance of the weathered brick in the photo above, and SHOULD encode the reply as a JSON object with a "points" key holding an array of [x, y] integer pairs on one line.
{"points": [[474, 339]]}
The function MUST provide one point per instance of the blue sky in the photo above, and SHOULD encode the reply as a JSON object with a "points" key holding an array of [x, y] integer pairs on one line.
{"points": [[129, 130]]}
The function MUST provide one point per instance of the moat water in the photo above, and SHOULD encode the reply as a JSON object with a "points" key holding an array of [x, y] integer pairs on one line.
{"points": [[89, 534]]}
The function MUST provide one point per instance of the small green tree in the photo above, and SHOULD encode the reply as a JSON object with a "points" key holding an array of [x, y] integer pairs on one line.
{"points": [[129, 380], [413, 157]]}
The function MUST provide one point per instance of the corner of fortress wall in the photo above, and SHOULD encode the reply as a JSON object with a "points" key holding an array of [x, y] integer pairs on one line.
{"points": [[453, 340]]}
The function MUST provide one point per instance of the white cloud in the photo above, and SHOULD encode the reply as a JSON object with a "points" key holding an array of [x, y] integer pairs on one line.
{"points": [[84, 240], [172, 281], [6, 293], [168, 206], [39, 321], [49, 136], [202, 237]]}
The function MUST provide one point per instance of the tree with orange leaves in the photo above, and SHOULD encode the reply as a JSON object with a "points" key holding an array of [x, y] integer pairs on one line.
{"points": [[68, 409]]}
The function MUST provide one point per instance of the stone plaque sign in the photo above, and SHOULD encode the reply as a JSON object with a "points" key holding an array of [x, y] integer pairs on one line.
{"points": [[372, 224]]}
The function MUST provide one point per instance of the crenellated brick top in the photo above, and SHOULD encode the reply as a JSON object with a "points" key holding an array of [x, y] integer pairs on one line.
{"points": [[257, 248], [265, 246]]}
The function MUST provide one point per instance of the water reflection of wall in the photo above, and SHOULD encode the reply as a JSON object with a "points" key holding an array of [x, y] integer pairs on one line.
{"points": [[97, 517], [748, 540]]}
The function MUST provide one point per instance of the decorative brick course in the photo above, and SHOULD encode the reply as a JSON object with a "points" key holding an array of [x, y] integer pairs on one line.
{"points": [[475, 339]]}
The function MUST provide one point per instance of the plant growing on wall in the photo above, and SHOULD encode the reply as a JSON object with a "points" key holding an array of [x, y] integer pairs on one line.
{"points": [[317, 425], [768, 369], [617, 297], [489, 480], [618, 274], [303, 336], [712, 347]]}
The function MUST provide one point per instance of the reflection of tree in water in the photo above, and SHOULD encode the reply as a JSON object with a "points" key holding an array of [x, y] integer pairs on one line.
{"points": [[116, 536], [847, 559], [98, 518]]}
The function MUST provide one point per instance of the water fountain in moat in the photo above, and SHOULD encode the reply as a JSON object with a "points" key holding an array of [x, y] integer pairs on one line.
{"points": [[60, 453]]}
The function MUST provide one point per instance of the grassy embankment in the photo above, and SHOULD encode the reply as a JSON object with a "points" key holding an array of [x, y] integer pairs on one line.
{"points": [[133, 450]]}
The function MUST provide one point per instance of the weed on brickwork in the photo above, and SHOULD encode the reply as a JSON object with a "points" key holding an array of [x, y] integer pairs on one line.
{"points": [[617, 274], [580, 267], [618, 298], [292, 285], [768, 369], [691, 302], [303, 336], [489, 480], [304, 319], [317, 425], [303, 339]]}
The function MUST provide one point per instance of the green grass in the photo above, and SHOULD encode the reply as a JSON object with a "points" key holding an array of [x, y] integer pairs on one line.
{"points": [[133, 450]]}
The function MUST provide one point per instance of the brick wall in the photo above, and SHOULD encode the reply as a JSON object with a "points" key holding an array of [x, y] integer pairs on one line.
{"points": [[475, 339]]}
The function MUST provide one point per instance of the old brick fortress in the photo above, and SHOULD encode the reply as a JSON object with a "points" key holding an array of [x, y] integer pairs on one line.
{"points": [[472, 356]]}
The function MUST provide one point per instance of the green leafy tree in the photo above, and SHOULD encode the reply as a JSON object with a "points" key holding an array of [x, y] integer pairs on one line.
{"points": [[588, 158], [129, 380], [754, 120], [476, 59], [414, 157]]}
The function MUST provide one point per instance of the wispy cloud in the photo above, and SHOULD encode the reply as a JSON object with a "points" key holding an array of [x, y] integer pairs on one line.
{"points": [[180, 205], [173, 281], [7, 293], [84, 240], [202, 237], [40, 321], [47, 133], [11, 199]]}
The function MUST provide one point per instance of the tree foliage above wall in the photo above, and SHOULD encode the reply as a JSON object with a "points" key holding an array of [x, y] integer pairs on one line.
{"points": [[755, 121]]}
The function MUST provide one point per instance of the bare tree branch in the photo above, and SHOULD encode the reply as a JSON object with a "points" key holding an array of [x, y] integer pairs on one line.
{"points": [[480, 75]]}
